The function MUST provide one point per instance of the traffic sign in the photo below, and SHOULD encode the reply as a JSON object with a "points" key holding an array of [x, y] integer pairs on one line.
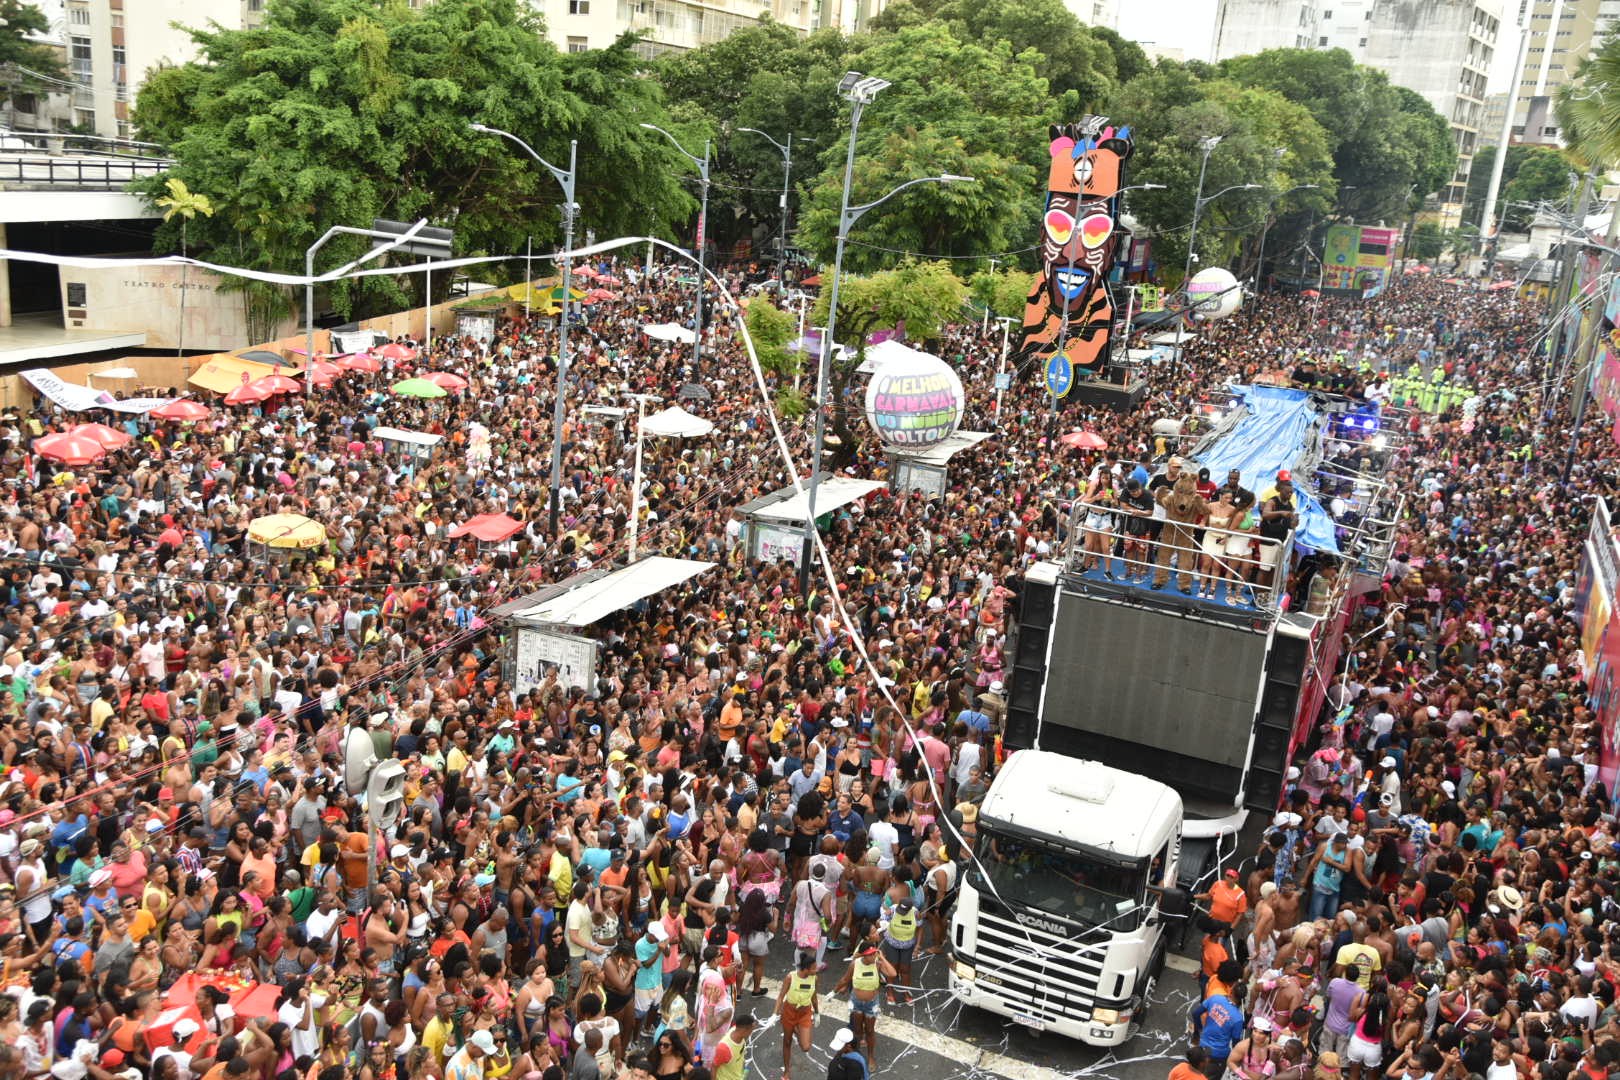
{"points": [[1059, 375]]}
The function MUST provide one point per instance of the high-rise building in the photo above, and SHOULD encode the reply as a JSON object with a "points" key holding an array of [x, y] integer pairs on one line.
{"points": [[1441, 49], [1104, 13], [1561, 34], [108, 46], [679, 25]]}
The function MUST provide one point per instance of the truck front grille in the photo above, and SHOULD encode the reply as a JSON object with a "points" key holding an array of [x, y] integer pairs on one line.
{"points": [[1039, 975]]}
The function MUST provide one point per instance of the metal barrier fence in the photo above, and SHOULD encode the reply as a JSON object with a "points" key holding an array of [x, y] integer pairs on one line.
{"points": [[89, 172], [1237, 568]]}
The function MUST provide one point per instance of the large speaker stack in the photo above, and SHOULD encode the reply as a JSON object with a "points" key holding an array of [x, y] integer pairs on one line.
{"points": [[1274, 721], [1027, 646]]}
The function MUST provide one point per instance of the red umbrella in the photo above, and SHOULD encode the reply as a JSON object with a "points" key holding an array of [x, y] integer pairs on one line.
{"points": [[321, 373], [394, 351], [1084, 440], [278, 384], [359, 362], [183, 410], [586, 272], [490, 528], [1311, 293], [444, 379], [596, 296], [69, 449], [109, 437], [246, 394]]}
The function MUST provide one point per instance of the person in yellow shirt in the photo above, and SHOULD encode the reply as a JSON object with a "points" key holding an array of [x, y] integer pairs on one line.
{"points": [[439, 1029]]}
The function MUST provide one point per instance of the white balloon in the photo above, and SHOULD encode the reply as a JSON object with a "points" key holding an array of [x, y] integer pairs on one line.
{"points": [[914, 402], [1213, 294]]}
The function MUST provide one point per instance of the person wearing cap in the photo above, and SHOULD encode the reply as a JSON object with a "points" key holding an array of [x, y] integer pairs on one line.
{"points": [[847, 1062], [1228, 904], [477, 1054], [864, 976], [798, 1002]]}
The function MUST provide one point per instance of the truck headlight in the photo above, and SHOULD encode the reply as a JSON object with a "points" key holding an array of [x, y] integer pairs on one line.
{"points": [[1110, 1016], [965, 972]]}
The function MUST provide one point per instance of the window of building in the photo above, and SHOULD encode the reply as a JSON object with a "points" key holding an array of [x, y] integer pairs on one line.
{"points": [[84, 119], [1321, 40], [577, 45], [120, 72], [1326, 15], [1362, 44], [25, 103], [579, 7], [79, 56], [1368, 15], [118, 20], [1551, 131], [79, 15], [255, 5]]}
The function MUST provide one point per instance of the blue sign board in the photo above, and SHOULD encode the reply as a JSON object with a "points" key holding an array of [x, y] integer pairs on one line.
{"points": [[1059, 375]]}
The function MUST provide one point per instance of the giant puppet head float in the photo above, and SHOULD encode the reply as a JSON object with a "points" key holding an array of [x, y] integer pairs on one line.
{"points": [[1071, 303]]}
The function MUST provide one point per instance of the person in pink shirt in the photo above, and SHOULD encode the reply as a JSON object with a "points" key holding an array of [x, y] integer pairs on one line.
{"points": [[128, 870]]}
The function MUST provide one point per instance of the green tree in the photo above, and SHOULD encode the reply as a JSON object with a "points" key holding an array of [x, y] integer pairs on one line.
{"points": [[1428, 241], [951, 109], [1530, 175], [1004, 292], [1589, 109], [183, 204], [16, 48], [338, 111], [1388, 143], [768, 78]]}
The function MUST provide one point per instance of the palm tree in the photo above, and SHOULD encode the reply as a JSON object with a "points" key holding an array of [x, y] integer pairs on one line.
{"points": [[185, 204], [1589, 108]]}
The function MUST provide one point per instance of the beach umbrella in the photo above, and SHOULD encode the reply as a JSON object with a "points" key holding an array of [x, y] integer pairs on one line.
{"points": [[278, 384], [247, 394], [360, 362], [444, 380], [694, 392], [69, 449], [419, 388], [396, 351], [182, 409], [109, 437], [1084, 440]]}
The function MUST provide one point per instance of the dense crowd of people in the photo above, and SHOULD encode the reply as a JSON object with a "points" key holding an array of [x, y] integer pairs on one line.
{"points": [[601, 879]]}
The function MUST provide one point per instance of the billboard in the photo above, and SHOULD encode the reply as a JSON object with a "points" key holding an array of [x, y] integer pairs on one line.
{"points": [[1606, 364], [1595, 609], [1358, 258]]}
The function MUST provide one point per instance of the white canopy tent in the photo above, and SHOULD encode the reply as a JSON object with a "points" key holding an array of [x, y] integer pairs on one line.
{"points": [[1169, 337], [836, 491], [599, 597], [941, 453], [887, 351], [676, 423], [669, 332], [402, 435]]}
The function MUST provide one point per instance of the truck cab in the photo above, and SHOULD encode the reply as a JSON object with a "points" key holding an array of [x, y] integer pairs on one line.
{"points": [[1060, 924]]}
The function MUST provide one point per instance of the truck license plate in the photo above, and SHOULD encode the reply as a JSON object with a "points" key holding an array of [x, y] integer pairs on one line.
{"points": [[1030, 1022]]}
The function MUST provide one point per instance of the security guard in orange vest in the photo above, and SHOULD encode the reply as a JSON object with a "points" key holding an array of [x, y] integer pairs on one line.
{"points": [[797, 1003]]}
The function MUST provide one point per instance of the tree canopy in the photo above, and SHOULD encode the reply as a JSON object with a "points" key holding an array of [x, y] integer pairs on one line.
{"points": [[339, 111]]}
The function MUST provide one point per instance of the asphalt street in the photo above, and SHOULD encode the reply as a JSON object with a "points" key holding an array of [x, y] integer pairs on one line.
{"points": [[937, 1038]]}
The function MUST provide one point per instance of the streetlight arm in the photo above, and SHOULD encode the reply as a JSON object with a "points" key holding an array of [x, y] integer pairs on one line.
{"points": [[852, 214], [1235, 187], [767, 138], [701, 163], [565, 178]]}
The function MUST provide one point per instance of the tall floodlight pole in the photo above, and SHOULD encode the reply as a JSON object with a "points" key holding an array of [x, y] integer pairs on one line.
{"points": [[859, 90], [566, 178], [786, 150], [702, 164]]}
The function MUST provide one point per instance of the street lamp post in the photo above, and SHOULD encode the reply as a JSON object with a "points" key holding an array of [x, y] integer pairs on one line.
{"points": [[859, 90], [787, 188], [642, 401], [702, 164], [1006, 322], [1265, 227], [1207, 144], [567, 179]]}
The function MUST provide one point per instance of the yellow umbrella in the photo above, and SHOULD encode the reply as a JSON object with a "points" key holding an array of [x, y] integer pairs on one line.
{"points": [[286, 531]]}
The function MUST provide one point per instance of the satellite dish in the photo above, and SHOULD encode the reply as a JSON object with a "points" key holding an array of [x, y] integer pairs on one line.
{"points": [[359, 757]]}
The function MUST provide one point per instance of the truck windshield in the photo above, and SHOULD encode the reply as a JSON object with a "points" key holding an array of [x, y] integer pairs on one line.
{"points": [[1061, 882]]}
